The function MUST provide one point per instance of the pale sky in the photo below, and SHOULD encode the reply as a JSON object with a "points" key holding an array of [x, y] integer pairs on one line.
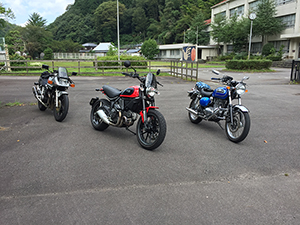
{"points": [[49, 10]]}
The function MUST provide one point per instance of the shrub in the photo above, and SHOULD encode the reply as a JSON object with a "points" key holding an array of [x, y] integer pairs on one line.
{"points": [[48, 54], [136, 61], [21, 64], [248, 64], [267, 48]]}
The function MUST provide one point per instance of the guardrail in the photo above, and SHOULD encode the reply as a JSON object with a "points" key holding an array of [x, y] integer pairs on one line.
{"points": [[295, 71]]}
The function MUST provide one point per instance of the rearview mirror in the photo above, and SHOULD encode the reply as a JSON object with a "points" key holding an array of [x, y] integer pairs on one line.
{"points": [[127, 63], [45, 67]]}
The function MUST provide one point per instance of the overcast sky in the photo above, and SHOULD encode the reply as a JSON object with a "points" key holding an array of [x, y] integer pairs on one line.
{"points": [[49, 10]]}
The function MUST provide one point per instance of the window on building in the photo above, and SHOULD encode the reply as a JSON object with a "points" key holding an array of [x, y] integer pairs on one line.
{"points": [[223, 14], [239, 11], [283, 2], [253, 5], [256, 48], [288, 20], [278, 44]]}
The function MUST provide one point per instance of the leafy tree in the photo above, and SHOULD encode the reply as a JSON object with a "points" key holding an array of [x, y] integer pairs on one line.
{"points": [[7, 13], [36, 20], [218, 32], [265, 23], [149, 49], [36, 39], [236, 31], [112, 51], [106, 20], [198, 25], [48, 53], [14, 42]]}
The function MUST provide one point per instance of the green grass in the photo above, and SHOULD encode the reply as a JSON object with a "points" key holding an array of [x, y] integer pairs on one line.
{"points": [[16, 103]]}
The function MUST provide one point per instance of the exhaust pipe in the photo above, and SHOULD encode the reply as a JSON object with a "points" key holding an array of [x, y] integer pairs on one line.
{"points": [[103, 117], [36, 96], [192, 111]]}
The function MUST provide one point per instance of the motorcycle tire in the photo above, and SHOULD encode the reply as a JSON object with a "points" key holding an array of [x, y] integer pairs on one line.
{"points": [[240, 128], [153, 136], [41, 106], [193, 105], [61, 112], [97, 123]]}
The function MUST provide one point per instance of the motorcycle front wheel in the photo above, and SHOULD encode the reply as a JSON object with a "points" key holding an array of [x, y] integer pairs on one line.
{"points": [[239, 129], [41, 106], [152, 135], [61, 111], [96, 121]]}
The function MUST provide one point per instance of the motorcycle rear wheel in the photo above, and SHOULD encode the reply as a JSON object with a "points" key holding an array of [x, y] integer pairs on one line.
{"points": [[61, 111], [239, 130], [153, 136], [194, 105], [97, 123]]}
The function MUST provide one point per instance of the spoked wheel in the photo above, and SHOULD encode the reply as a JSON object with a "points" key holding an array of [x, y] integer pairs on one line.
{"points": [[61, 111], [194, 105], [150, 135], [239, 130], [96, 121]]}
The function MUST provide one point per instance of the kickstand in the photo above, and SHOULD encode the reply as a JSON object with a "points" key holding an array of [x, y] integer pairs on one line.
{"points": [[220, 125], [130, 131]]}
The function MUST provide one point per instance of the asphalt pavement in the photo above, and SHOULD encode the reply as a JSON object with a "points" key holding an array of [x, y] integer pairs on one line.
{"points": [[69, 173]]}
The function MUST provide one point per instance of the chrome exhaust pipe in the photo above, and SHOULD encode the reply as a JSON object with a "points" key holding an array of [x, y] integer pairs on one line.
{"points": [[192, 111], [103, 117], [36, 96]]}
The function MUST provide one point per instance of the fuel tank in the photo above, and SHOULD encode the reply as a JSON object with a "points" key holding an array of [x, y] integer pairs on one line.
{"points": [[131, 92]]}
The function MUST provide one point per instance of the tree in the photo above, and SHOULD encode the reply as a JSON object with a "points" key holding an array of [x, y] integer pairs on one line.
{"points": [[7, 13], [36, 20], [218, 32], [14, 42], [106, 20], [236, 31], [265, 23], [149, 49], [36, 39], [48, 54], [198, 30]]}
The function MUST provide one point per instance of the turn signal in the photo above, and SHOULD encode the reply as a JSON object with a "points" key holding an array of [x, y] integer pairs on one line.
{"points": [[50, 82], [228, 87], [72, 85], [246, 90]]}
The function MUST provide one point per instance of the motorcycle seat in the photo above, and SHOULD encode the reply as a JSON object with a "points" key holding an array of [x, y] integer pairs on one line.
{"points": [[206, 92], [111, 92]]}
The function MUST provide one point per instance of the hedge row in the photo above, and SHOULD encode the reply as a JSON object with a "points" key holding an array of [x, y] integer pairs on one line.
{"points": [[135, 61], [248, 64]]}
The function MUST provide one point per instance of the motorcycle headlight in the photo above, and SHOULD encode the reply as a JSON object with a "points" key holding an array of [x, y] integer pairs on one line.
{"points": [[150, 91], [240, 89]]}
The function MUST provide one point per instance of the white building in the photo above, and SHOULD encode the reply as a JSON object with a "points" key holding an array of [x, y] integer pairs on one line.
{"points": [[287, 10], [182, 52]]}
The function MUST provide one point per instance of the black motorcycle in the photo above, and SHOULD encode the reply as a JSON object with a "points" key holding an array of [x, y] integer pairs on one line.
{"points": [[51, 91], [123, 108], [215, 105]]}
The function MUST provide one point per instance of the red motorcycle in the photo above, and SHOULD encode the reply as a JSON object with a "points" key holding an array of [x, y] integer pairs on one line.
{"points": [[123, 108]]}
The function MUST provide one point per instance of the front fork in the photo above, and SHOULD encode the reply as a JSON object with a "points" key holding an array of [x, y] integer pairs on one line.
{"points": [[231, 106]]}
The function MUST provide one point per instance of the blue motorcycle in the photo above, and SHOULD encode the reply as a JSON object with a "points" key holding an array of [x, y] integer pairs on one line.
{"points": [[216, 105]]}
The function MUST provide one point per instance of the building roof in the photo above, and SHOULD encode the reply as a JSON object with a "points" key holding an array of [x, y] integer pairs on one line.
{"points": [[133, 50], [220, 3], [89, 45], [103, 47]]}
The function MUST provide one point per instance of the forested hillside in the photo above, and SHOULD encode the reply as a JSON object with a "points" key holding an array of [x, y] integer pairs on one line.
{"points": [[163, 20]]}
